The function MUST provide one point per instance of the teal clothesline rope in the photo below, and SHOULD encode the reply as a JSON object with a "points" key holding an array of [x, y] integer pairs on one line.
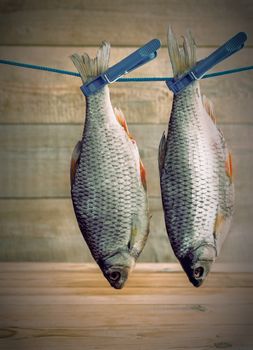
{"points": [[141, 79]]}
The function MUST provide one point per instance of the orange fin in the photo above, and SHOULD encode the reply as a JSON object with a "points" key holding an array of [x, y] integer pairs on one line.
{"points": [[122, 120], [143, 175], [218, 222], [229, 166], [74, 161], [209, 108]]}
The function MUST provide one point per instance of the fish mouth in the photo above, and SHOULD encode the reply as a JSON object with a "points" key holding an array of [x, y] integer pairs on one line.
{"points": [[197, 264], [197, 283], [116, 267], [117, 276], [199, 272]]}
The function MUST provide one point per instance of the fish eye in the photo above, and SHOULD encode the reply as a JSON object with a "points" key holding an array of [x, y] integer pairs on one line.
{"points": [[198, 272], [115, 275]]}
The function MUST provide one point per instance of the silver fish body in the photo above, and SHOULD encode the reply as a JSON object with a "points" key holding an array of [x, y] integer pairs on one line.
{"points": [[109, 198], [196, 184]]}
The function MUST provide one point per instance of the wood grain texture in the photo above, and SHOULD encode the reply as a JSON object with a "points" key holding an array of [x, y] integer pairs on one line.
{"points": [[87, 277], [30, 96], [107, 338], [123, 23], [63, 306], [36, 158], [36, 219], [227, 268], [35, 162], [46, 230]]}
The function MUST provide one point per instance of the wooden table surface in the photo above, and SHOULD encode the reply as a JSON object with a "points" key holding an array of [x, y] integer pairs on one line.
{"points": [[71, 306]]}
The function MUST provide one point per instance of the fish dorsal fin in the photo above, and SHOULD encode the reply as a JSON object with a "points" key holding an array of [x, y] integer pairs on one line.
{"points": [[90, 68], [74, 161], [182, 59], [208, 105]]}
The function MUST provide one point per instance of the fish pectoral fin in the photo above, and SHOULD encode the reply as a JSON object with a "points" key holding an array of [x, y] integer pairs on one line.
{"points": [[227, 157], [208, 105], [162, 152], [221, 228], [134, 232], [219, 220], [138, 236], [74, 161], [229, 166]]}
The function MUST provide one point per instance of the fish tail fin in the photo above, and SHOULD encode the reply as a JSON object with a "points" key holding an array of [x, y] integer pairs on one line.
{"points": [[182, 59], [91, 67]]}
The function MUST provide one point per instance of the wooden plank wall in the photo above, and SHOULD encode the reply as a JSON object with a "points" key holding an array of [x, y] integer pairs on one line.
{"points": [[41, 114]]}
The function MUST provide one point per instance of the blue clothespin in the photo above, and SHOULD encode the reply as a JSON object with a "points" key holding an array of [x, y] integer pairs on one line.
{"points": [[139, 57], [229, 48]]}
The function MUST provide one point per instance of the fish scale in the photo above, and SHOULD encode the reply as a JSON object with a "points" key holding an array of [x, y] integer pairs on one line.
{"points": [[197, 191], [187, 196], [108, 193], [107, 187]]}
